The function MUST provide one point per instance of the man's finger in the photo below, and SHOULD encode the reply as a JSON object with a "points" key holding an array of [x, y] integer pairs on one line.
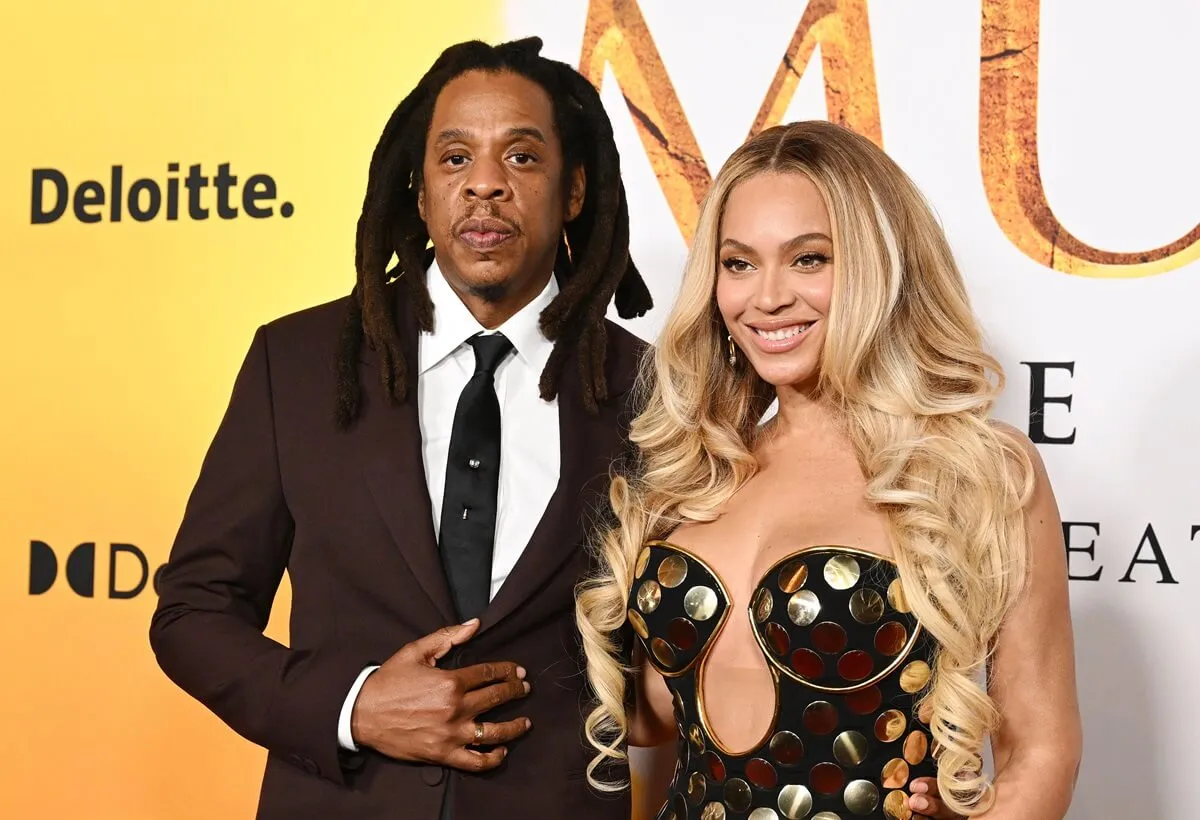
{"points": [[923, 804], [470, 760], [931, 807], [473, 677], [494, 734], [926, 800], [434, 646], [488, 698]]}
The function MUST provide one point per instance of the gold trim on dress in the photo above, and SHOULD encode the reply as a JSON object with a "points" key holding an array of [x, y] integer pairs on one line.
{"points": [[780, 663], [717, 627]]}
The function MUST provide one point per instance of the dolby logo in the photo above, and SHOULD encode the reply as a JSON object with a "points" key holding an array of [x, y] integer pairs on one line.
{"points": [[128, 570]]}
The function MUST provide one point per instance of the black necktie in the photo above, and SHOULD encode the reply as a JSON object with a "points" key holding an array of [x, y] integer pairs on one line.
{"points": [[468, 526]]}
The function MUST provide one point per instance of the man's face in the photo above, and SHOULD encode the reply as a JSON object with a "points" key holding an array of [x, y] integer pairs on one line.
{"points": [[493, 196]]}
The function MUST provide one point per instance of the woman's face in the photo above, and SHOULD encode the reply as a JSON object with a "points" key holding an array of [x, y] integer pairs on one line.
{"points": [[775, 275]]}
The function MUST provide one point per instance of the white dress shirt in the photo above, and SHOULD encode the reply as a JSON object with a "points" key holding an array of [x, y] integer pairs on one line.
{"points": [[529, 434]]}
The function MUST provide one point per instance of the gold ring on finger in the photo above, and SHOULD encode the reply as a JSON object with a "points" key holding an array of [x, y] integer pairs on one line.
{"points": [[478, 733]]}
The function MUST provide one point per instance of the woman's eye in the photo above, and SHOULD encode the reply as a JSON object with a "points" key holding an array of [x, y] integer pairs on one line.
{"points": [[735, 265], [811, 260]]}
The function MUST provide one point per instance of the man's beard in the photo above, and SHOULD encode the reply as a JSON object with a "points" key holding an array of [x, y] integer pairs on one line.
{"points": [[492, 294]]}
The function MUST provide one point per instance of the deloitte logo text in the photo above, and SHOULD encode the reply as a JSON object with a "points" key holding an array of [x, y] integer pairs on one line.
{"points": [[127, 577], [148, 199]]}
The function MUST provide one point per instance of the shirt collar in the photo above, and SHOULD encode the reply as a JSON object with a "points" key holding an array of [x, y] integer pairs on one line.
{"points": [[453, 324]]}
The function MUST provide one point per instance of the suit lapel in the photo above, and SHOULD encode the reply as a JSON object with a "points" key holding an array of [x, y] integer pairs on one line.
{"points": [[389, 443], [587, 446]]}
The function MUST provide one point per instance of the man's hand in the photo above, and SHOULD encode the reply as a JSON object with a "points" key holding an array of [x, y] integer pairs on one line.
{"points": [[408, 709], [926, 800]]}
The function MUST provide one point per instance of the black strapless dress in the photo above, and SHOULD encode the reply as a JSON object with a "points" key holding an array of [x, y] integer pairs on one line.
{"points": [[848, 660]]}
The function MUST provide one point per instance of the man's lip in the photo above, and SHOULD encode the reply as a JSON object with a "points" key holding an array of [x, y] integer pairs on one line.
{"points": [[487, 225], [484, 240]]}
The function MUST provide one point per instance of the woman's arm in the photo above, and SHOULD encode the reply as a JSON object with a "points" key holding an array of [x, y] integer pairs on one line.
{"points": [[653, 720], [1039, 743]]}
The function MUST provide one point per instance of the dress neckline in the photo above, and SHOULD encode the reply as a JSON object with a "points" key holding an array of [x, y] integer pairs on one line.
{"points": [[857, 552]]}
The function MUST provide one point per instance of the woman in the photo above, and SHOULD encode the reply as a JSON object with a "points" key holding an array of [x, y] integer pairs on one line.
{"points": [[817, 599]]}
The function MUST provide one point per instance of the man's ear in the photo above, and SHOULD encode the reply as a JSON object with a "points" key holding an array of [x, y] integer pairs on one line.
{"points": [[576, 194], [421, 201]]}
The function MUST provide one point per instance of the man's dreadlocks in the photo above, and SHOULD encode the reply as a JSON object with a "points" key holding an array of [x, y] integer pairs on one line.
{"points": [[593, 260]]}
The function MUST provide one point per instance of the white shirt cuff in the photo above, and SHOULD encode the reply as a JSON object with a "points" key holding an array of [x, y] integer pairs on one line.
{"points": [[345, 734]]}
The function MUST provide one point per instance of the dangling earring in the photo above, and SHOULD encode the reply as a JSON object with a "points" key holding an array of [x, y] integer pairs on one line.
{"points": [[567, 244], [732, 351]]}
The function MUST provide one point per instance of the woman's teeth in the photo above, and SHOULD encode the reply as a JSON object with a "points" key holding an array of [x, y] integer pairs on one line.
{"points": [[782, 333]]}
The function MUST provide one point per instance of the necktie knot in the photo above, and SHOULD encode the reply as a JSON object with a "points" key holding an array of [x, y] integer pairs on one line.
{"points": [[490, 350]]}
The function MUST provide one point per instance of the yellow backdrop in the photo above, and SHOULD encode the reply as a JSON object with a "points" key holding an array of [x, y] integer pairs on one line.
{"points": [[119, 340]]}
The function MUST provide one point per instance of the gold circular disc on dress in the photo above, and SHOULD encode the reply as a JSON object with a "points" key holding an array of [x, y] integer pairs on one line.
{"points": [[761, 773], [827, 815], [696, 786], [663, 652], [638, 623], [737, 794], [891, 638], [764, 603], [861, 797], [895, 806], [896, 598], [925, 711], [642, 560], [803, 607], [914, 677], [713, 811], [829, 637], [866, 605], [763, 814], [826, 778], [672, 571], [696, 738], [777, 638], [795, 802], [820, 717], [842, 572], [792, 576], [649, 596], [787, 748], [890, 726], [895, 774], [850, 748], [700, 603], [916, 745]]}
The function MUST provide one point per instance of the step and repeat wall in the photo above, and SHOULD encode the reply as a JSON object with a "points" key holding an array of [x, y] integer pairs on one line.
{"points": [[173, 175]]}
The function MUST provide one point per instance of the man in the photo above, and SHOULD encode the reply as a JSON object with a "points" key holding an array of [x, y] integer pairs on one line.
{"points": [[438, 473], [433, 525]]}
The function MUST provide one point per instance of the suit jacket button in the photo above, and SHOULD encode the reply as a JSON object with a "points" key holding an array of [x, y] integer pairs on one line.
{"points": [[432, 775], [350, 761]]}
